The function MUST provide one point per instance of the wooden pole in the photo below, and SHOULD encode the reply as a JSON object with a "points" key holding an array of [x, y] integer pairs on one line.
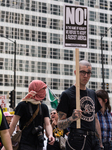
{"points": [[77, 85]]}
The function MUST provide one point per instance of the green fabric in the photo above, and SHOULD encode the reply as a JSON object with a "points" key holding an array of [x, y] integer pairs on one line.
{"points": [[53, 99], [0, 117]]}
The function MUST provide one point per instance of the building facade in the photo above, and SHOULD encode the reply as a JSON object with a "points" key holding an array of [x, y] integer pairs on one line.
{"points": [[37, 27]]}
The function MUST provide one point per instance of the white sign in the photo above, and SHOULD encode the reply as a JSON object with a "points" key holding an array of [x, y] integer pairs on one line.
{"points": [[3, 101], [75, 26]]}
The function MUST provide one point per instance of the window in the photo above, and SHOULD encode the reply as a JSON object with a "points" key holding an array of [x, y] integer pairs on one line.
{"points": [[54, 53], [68, 55], [41, 66], [94, 72], [93, 85], [68, 83], [105, 59], [92, 57], [55, 68], [42, 52], [55, 83], [103, 31], [42, 7], [81, 55], [92, 16], [42, 22], [54, 38], [55, 9], [55, 24], [68, 70], [42, 37], [92, 30], [91, 3], [92, 43], [110, 6], [103, 4], [103, 18]]}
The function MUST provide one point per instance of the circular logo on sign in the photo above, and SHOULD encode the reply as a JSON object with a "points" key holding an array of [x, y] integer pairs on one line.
{"points": [[88, 109]]}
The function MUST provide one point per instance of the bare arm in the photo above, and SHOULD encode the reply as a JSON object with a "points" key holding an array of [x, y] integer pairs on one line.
{"points": [[48, 129], [98, 130], [13, 124], [5, 136], [64, 122], [12, 128]]}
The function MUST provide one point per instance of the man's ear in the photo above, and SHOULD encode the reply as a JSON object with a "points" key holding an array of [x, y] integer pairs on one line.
{"points": [[75, 72]]}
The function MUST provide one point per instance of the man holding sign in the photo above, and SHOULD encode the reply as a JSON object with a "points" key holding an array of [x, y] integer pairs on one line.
{"points": [[83, 138]]}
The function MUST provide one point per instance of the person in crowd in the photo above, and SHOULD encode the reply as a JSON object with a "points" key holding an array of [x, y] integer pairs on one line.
{"points": [[32, 135], [8, 117], [4, 133], [56, 131], [105, 119], [83, 138]]}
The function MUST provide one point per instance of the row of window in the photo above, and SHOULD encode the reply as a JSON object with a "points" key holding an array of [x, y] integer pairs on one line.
{"points": [[43, 7], [37, 51], [37, 67], [31, 5], [44, 37], [52, 68], [54, 53], [24, 81], [102, 4], [30, 20], [44, 22], [100, 17]]}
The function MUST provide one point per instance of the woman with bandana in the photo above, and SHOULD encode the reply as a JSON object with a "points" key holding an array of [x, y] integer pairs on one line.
{"points": [[30, 137]]}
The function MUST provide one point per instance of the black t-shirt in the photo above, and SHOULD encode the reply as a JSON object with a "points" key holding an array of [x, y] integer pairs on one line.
{"points": [[23, 111], [89, 105]]}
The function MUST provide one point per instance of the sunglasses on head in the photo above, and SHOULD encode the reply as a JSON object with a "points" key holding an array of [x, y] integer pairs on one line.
{"points": [[53, 113]]}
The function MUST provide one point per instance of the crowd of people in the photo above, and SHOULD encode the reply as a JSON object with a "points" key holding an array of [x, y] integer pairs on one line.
{"points": [[95, 117]]}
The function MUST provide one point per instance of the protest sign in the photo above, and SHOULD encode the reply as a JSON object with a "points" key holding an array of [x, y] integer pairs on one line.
{"points": [[75, 26]]}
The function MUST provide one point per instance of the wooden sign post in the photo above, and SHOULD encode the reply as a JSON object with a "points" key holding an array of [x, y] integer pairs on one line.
{"points": [[77, 84]]}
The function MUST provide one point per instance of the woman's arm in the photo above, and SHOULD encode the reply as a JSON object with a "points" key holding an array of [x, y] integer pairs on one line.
{"points": [[12, 128], [6, 140]]}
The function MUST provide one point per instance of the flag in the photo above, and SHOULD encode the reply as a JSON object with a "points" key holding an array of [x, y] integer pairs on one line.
{"points": [[52, 98]]}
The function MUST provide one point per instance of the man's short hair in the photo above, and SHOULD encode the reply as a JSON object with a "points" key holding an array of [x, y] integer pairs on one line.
{"points": [[84, 63]]}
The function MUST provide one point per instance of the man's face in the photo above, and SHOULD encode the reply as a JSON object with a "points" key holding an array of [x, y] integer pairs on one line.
{"points": [[85, 74]]}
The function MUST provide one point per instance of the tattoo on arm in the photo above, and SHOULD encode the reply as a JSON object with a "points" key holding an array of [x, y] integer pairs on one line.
{"points": [[63, 122]]}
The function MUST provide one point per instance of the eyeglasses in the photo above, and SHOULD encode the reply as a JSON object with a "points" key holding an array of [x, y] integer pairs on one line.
{"points": [[53, 113], [84, 73]]}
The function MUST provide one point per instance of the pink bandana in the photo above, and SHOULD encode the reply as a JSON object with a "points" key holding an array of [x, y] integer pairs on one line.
{"points": [[36, 90]]}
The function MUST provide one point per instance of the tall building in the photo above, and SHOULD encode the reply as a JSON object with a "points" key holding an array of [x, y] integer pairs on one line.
{"points": [[37, 27]]}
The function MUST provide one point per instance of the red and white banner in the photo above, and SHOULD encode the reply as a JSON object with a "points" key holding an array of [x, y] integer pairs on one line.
{"points": [[3, 101]]}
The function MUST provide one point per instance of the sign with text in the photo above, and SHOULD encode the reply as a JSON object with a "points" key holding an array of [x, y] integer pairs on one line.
{"points": [[75, 26], [3, 101]]}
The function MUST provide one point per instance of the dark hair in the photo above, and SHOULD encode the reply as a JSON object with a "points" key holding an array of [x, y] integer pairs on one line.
{"points": [[104, 95]]}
